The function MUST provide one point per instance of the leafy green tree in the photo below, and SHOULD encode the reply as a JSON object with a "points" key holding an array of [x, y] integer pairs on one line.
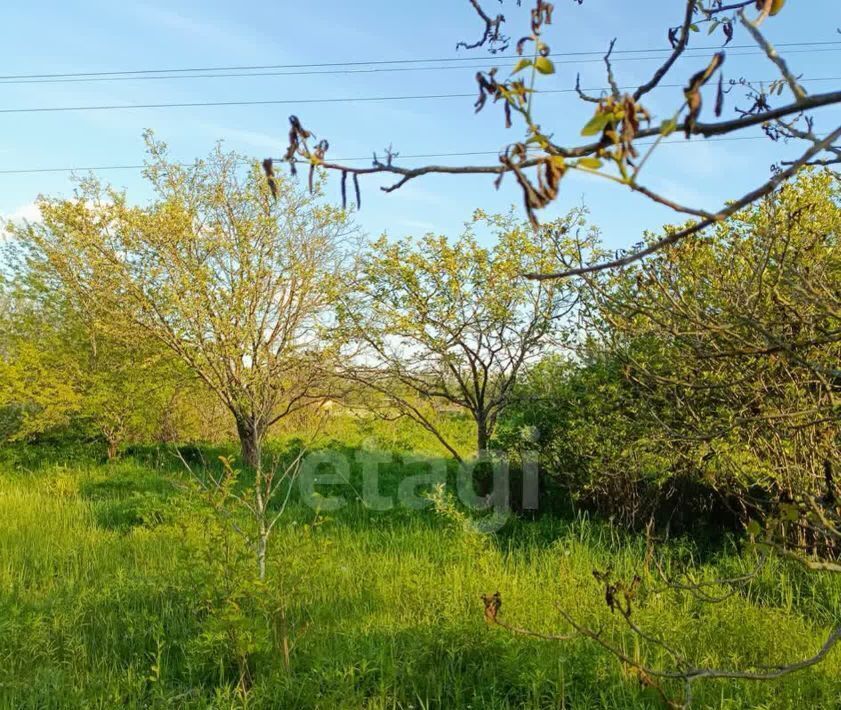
{"points": [[709, 367], [126, 389], [37, 391], [61, 371], [744, 334], [715, 362], [454, 323], [593, 435], [229, 278]]}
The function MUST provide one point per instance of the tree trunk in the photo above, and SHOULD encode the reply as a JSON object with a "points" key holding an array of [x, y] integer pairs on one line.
{"points": [[251, 442], [112, 443], [481, 436], [483, 474]]}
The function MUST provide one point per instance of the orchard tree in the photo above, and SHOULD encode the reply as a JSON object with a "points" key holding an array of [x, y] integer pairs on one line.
{"points": [[233, 281], [735, 340], [709, 372], [622, 132], [37, 378], [453, 323], [60, 370], [126, 388]]}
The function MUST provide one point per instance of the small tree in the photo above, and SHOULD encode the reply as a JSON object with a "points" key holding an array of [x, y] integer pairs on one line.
{"points": [[455, 324], [125, 388], [230, 280], [38, 389], [59, 370]]}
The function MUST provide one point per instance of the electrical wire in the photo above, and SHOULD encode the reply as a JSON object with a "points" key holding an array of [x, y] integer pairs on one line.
{"points": [[325, 100], [332, 72], [381, 62]]}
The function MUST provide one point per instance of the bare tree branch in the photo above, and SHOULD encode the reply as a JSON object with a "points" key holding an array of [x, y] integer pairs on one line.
{"points": [[722, 214]]}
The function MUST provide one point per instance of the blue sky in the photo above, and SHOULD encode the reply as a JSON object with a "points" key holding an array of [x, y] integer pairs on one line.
{"points": [[102, 35]]}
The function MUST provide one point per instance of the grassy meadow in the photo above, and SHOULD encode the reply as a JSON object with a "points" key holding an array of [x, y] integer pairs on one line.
{"points": [[119, 589]]}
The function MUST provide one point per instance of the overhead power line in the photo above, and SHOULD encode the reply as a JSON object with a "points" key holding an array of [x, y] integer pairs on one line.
{"points": [[247, 73], [325, 100], [381, 62], [418, 156]]}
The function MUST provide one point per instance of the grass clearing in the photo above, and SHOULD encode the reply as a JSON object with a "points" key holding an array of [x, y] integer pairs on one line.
{"points": [[107, 598]]}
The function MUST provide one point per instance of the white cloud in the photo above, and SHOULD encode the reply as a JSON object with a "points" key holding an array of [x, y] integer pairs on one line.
{"points": [[29, 211]]}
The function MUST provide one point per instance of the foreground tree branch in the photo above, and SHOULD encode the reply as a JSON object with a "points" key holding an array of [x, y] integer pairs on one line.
{"points": [[689, 674], [683, 671], [731, 209], [538, 162], [705, 130]]}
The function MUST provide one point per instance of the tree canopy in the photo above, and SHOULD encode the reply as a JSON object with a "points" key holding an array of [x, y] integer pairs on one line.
{"points": [[454, 322], [233, 281]]}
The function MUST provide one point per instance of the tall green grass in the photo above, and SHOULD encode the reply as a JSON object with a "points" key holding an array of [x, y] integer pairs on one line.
{"points": [[108, 576]]}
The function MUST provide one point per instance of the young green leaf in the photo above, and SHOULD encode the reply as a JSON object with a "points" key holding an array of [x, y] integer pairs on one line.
{"points": [[596, 124], [592, 163], [544, 65], [522, 64]]}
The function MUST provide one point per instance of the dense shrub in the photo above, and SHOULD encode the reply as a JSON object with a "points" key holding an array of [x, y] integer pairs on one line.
{"points": [[708, 380]]}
